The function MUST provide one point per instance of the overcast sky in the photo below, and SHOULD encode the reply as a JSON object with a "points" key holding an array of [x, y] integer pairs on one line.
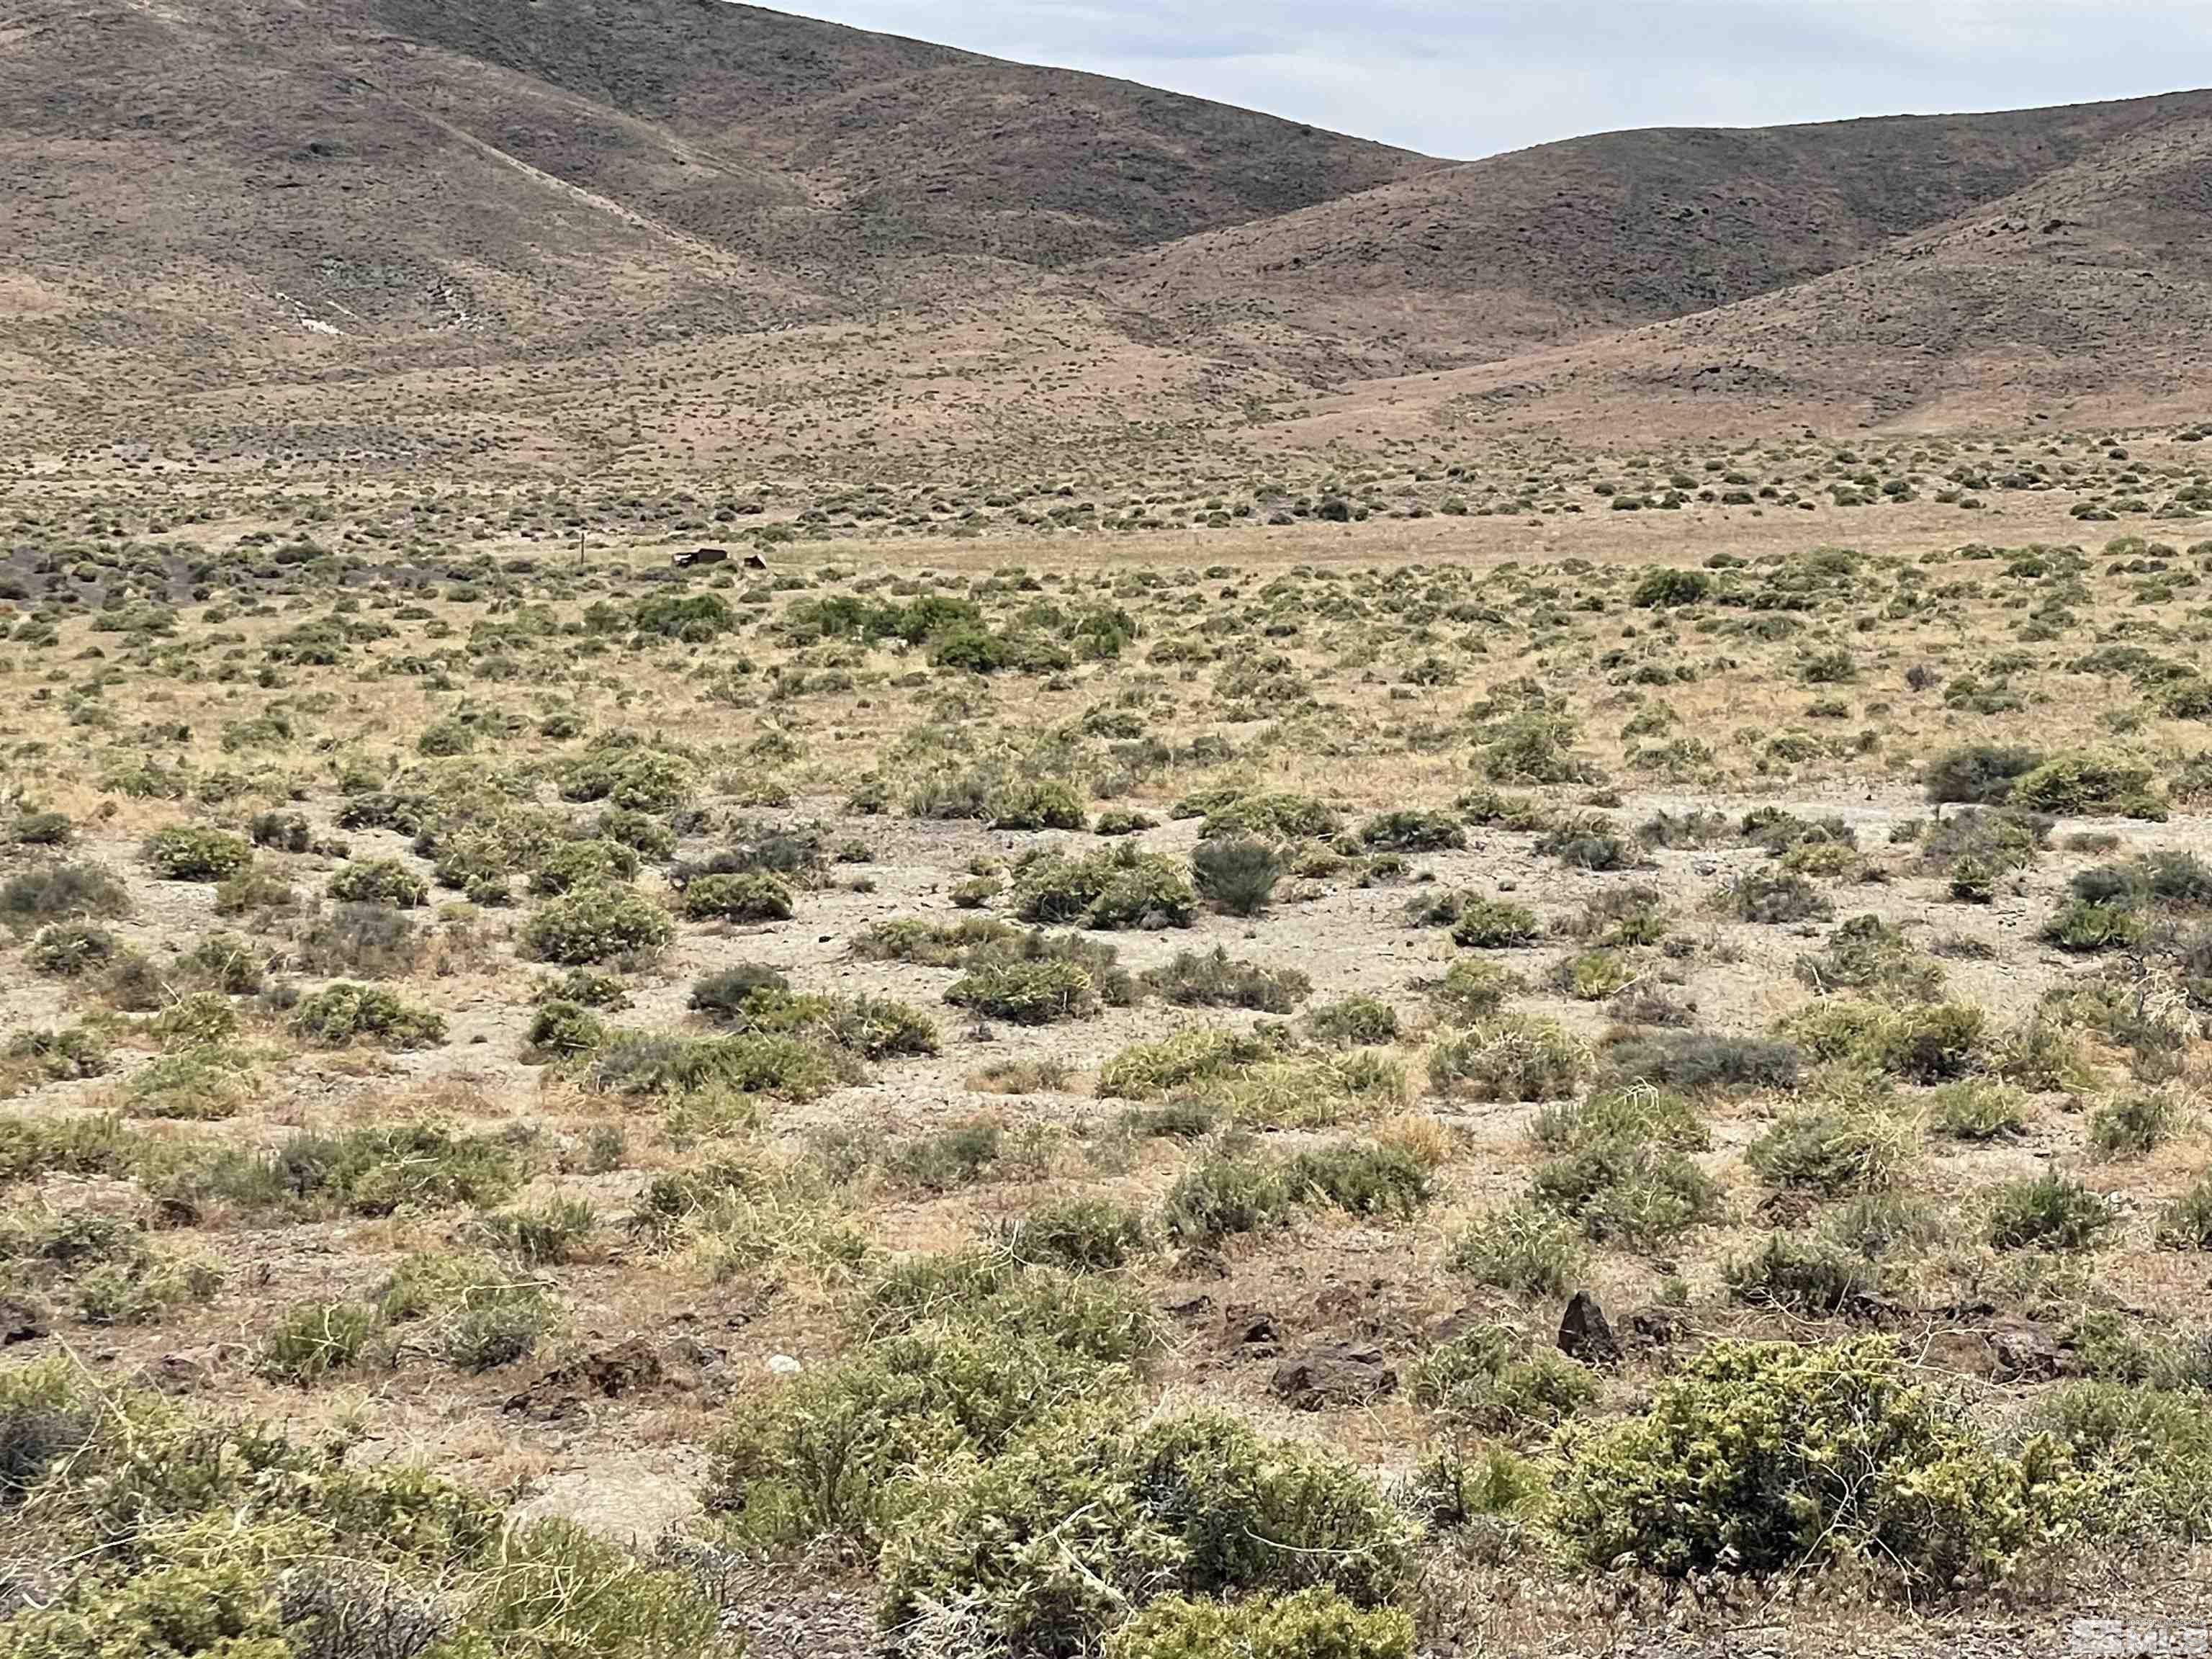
{"points": [[1477, 76]]}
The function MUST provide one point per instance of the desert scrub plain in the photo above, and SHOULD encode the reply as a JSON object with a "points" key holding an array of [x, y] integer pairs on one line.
{"points": [[1526, 1081]]}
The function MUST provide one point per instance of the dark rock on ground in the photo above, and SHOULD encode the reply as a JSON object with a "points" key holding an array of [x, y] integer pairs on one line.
{"points": [[628, 1368], [1246, 1325], [1584, 1334], [21, 1321], [1333, 1374]]}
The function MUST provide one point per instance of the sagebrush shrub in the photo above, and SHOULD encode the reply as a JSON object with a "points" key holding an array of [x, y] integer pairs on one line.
{"points": [[1620, 1188], [1977, 774], [1352, 1022], [1408, 830], [379, 881], [1083, 1234], [596, 924], [583, 864], [2186, 1222], [1036, 993], [1495, 925], [1201, 1505], [2133, 1125], [1211, 980], [1524, 1249], [1733, 1464], [1701, 1062], [1813, 1278], [56, 892], [1117, 887], [1509, 1058], [1834, 1148], [1236, 874], [1487, 1380], [1034, 804], [1772, 897], [1314, 1624], [1226, 1196], [186, 852], [2048, 1211], [2087, 785], [751, 895], [1181, 1060], [345, 1012], [1368, 1178], [70, 950], [1978, 1110]]}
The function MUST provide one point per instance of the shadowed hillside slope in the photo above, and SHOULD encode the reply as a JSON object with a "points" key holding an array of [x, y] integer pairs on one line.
{"points": [[679, 230], [2085, 296], [214, 192], [1492, 257]]}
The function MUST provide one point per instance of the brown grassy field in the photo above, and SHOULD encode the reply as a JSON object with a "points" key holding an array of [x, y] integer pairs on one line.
{"points": [[579, 1028], [809, 846]]}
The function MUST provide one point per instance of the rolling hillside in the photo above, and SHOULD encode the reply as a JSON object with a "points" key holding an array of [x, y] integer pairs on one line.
{"points": [[1483, 260], [557, 229]]}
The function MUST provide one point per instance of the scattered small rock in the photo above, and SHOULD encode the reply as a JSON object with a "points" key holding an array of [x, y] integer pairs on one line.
{"points": [[20, 1322], [1656, 1327], [181, 1373], [1584, 1335], [2021, 1350], [1333, 1374], [1247, 1326], [628, 1368]]}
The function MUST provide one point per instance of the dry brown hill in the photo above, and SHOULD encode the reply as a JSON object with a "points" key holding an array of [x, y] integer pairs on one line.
{"points": [[2085, 297], [1493, 258], [572, 231], [208, 194]]}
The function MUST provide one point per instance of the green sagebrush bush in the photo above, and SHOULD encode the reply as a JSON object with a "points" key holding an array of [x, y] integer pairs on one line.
{"points": [[1181, 1060], [344, 1012], [1211, 980], [584, 863], [1509, 1058], [1079, 1524], [962, 1354], [747, 895], [54, 892], [70, 950], [1117, 887], [379, 881], [1494, 924], [1083, 1234], [2079, 785], [635, 779], [1490, 1379], [1027, 993], [596, 924], [371, 1171], [787, 1065], [230, 1539], [1735, 1464], [2048, 1211], [1225, 1196], [1314, 1624], [188, 852], [1523, 1249]]}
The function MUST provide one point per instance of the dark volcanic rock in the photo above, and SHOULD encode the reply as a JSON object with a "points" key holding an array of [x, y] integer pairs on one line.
{"points": [[1584, 1335], [1333, 1374]]}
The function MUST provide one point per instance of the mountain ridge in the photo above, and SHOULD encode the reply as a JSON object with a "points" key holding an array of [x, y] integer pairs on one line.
{"points": [[421, 224]]}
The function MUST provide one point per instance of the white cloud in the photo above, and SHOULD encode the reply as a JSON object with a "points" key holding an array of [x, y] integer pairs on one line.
{"points": [[1469, 79]]}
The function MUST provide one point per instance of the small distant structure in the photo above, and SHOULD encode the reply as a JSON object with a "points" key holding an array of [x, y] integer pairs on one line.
{"points": [[699, 555]]}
